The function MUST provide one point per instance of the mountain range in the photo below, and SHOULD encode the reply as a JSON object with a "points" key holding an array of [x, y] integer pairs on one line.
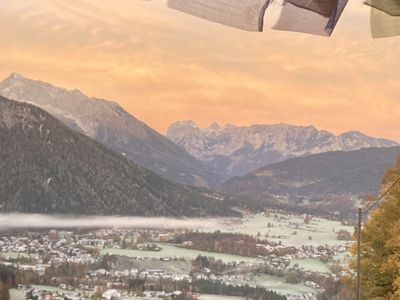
{"points": [[105, 160], [111, 125], [331, 176], [235, 151], [48, 168]]}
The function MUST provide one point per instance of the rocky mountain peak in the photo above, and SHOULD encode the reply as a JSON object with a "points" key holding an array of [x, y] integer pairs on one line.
{"points": [[237, 150], [110, 124], [214, 126]]}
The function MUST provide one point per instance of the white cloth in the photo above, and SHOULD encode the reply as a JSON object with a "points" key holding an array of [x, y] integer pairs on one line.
{"points": [[243, 14]]}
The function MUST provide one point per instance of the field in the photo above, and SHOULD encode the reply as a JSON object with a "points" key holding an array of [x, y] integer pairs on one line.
{"points": [[313, 265], [290, 231], [16, 295], [270, 282], [287, 230], [202, 297], [218, 297], [280, 286], [170, 251], [13, 255]]}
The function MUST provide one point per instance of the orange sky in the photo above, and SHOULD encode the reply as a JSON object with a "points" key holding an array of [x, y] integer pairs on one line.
{"points": [[164, 66]]}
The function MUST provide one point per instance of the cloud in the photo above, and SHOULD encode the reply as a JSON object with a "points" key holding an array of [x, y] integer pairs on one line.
{"points": [[9, 221], [163, 65]]}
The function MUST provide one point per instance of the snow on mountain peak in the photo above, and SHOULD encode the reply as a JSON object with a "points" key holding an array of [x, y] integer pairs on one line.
{"points": [[110, 124], [71, 106], [15, 76], [187, 123], [214, 126], [238, 150]]}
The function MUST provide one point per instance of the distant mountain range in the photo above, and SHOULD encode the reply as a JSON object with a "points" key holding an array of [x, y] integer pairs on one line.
{"points": [[110, 124], [48, 168], [65, 172], [318, 177], [236, 151]]}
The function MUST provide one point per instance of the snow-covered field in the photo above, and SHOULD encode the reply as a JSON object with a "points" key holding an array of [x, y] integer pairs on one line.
{"points": [[289, 230], [16, 295], [170, 251]]}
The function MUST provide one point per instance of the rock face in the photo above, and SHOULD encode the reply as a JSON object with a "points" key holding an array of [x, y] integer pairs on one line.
{"points": [[331, 175], [48, 168], [110, 124], [236, 151]]}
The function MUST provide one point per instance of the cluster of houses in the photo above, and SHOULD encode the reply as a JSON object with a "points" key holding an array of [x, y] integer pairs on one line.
{"points": [[43, 250], [38, 250], [148, 274], [61, 293]]}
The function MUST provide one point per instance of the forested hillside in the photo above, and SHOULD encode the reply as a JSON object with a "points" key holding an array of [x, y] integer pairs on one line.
{"points": [[333, 179], [48, 168], [108, 123]]}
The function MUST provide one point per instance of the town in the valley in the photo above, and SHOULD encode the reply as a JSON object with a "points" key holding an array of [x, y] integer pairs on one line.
{"points": [[264, 256]]}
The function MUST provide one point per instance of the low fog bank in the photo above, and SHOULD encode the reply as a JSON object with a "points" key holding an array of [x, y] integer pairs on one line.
{"points": [[15, 220]]}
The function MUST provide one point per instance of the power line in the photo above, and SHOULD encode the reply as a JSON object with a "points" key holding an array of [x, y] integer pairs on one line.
{"points": [[382, 196]]}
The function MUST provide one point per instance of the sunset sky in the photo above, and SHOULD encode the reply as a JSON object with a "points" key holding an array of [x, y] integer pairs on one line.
{"points": [[164, 66]]}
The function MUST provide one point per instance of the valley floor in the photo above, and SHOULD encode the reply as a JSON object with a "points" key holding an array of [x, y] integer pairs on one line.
{"points": [[303, 254]]}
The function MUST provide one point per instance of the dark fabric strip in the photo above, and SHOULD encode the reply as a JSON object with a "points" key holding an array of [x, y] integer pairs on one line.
{"points": [[322, 7]]}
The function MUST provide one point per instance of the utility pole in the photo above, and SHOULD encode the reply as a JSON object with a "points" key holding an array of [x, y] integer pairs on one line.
{"points": [[359, 254]]}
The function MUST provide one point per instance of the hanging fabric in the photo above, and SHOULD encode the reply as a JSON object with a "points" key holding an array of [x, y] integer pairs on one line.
{"points": [[243, 14], [324, 8], [391, 7], [385, 18], [317, 17]]}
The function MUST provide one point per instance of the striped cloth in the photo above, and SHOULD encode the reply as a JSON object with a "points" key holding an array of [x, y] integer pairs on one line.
{"points": [[243, 14], [318, 17]]}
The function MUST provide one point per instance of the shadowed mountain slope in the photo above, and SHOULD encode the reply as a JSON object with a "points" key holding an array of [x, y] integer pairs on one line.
{"points": [[111, 125], [320, 176], [48, 168]]}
